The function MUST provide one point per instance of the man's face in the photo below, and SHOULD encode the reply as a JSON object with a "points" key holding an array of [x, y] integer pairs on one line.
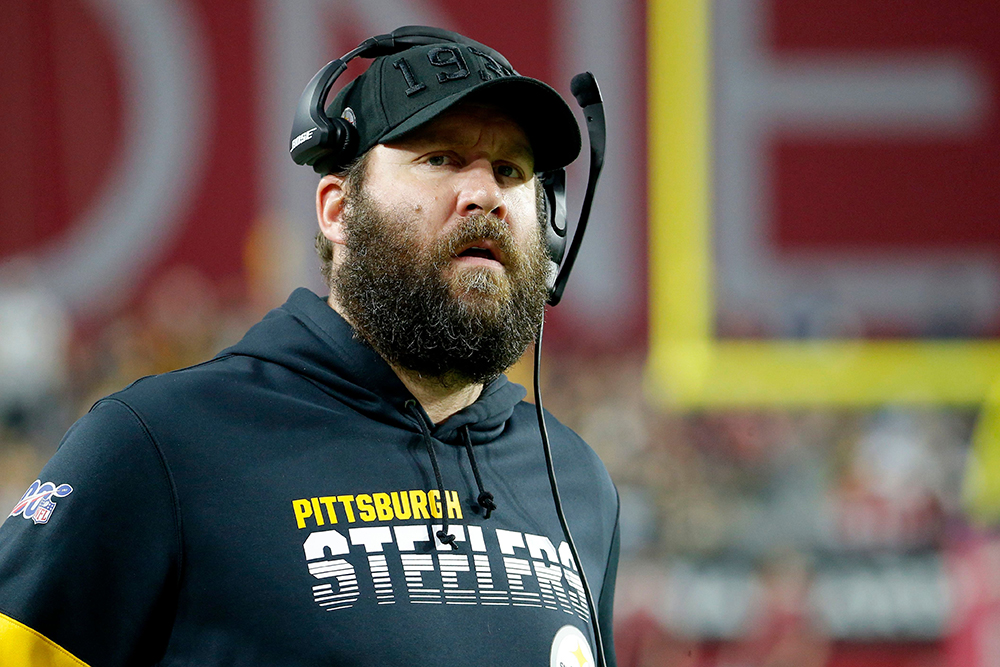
{"points": [[444, 269]]}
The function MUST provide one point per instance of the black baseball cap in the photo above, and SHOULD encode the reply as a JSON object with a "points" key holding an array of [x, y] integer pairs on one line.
{"points": [[401, 91]]}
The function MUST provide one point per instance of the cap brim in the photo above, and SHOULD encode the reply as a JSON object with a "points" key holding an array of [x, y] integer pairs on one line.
{"points": [[546, 119]]}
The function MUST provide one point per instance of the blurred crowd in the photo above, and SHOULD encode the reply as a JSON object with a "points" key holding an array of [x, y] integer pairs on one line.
{"points": [[788, 537], [52, 371], [811, 537]]}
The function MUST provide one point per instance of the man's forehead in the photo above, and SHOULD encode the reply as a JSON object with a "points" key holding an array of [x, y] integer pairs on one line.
{"points": [[470, 122]]}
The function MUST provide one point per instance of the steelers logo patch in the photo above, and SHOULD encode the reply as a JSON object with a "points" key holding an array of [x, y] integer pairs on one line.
{"points": [[570, 649]]}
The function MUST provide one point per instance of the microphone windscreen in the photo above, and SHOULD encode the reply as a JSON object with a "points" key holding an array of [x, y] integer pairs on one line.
{"points": [[584, 89]]}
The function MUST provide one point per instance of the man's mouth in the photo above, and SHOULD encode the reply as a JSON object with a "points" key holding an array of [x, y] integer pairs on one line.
{"points": [[481, 252]]}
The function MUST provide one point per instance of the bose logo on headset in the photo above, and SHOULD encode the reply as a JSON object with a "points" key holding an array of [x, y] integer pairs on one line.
{"points": [[305, 136]]}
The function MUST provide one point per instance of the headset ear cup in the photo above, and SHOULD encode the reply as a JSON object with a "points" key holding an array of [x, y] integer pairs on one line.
{"points": [[554, 188], [554, 196], [340, 147]]}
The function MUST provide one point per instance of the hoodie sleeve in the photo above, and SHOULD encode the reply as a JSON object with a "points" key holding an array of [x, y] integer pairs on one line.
{"points": [[90, 556]]}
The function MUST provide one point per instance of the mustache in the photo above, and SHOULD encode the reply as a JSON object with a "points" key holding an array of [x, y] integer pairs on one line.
{"points": [[482, 227]]}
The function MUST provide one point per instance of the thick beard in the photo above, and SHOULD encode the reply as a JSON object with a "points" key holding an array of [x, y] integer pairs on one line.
{"points": [[407, 301]]}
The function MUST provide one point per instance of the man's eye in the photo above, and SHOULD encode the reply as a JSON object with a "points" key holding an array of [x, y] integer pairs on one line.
{"points": [[508, 171], [437, 160]]}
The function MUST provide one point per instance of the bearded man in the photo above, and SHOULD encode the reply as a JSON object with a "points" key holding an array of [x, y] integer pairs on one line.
{"points": [[356, 482]]}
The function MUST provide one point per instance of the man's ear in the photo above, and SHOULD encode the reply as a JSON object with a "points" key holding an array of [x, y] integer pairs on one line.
{"points": [[331, 194]]}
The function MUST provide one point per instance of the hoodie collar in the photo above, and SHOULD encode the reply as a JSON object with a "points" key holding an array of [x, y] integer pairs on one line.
{"points": [[309, 337]]}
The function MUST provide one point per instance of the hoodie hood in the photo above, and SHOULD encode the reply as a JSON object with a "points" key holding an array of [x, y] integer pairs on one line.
{"points": [[309, 337]]}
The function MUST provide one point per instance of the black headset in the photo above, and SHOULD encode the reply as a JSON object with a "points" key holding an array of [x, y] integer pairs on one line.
{"points": [[329, 143]]}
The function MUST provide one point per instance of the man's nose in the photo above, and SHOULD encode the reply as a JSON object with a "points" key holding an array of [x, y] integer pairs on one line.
{"points": [[479, 191]]}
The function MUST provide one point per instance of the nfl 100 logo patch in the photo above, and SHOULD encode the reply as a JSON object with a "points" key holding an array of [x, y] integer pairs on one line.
{"points": [[37, 503]]}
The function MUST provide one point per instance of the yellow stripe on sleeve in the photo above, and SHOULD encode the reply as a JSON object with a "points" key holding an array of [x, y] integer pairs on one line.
{"points": [[20, 646]]}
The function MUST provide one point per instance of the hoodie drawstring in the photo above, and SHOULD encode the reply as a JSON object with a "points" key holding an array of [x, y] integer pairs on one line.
{"points": [[443, 534], [485, 498]]}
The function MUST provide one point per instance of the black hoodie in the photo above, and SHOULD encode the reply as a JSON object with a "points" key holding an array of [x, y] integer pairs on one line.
{"points": [[278, 505]]}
